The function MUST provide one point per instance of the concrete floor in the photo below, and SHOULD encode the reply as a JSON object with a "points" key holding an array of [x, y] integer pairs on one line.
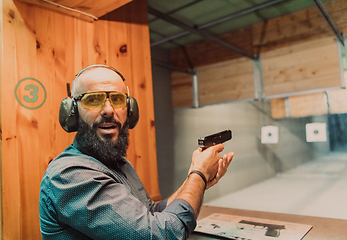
{"points": [[317, 188]]}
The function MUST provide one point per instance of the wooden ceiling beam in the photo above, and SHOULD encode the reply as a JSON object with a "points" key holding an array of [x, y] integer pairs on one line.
{"points": [[86, 10]]}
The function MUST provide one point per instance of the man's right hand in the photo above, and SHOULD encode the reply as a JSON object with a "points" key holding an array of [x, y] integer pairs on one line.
{"points": [[206, 161]]}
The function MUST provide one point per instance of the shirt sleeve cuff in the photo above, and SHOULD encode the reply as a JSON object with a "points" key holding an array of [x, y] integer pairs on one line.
{"points": [[184, 211]]}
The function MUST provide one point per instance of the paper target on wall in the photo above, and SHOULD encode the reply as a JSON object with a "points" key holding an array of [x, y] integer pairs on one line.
{"points": [[269, 134], [316, 132]]}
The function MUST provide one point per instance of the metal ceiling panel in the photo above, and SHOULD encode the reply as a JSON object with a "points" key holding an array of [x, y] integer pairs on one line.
{"points": [[196, 13], [198, 32]]}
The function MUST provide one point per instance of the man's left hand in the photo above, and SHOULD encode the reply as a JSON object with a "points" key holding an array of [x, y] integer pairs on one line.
{"points": [[223, 165]]}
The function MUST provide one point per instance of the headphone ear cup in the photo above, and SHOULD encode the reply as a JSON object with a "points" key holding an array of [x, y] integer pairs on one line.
{"points": [[133, 112], [68, 115]]}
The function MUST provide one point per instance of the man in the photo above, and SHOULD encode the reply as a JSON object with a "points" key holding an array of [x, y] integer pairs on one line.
{"points": [[90, 191]]}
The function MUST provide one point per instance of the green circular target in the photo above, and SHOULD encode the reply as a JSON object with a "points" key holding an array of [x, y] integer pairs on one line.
{"points": [[30, 93]]}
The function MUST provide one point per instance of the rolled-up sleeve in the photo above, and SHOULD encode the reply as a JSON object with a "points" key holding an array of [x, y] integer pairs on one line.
{"points": [[92, 203]]}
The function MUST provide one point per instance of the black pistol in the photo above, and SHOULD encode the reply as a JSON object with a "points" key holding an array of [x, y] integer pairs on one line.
{"points": [[208, 141]]}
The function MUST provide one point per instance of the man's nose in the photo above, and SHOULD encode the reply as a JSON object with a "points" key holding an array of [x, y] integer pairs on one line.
{"points": [[107, 110]]}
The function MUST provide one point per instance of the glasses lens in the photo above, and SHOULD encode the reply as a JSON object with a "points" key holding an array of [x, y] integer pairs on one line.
{"points": [[118, 100], [93, 100]]}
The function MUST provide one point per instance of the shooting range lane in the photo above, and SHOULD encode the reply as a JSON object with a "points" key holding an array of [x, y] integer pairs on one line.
{"points": [[316, 188]]}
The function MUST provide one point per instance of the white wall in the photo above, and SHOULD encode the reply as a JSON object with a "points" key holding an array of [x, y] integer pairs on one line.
{"points": [[253, 161]]}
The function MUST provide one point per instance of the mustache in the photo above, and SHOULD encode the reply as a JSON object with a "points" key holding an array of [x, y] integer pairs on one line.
{"points": [[107, 120]]}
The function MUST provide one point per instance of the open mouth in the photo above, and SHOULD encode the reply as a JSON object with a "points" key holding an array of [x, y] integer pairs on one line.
{"points": [[107, 126]]}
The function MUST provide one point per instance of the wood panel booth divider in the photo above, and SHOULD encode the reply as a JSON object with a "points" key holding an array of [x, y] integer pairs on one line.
{"points": [[41, 52]]}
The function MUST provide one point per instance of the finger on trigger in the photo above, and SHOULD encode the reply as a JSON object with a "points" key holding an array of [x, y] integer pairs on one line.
{"points": [[219, 147]]}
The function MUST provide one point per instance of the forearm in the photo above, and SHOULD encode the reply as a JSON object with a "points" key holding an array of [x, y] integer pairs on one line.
{"points": [[192, 191], [208, 163]]}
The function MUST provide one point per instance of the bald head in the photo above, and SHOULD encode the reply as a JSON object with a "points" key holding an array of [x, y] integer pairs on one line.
{"points": [[94, 74]]}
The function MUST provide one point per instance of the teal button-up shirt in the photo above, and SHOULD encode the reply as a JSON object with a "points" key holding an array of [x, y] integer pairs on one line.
{"points": [[80, 198]]}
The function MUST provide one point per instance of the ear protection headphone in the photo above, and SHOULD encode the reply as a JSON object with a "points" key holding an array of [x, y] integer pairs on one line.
{"points": [[68, 112]]}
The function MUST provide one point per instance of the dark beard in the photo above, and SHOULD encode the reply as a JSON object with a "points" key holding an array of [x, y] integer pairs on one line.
{"points": [[110, 154]]}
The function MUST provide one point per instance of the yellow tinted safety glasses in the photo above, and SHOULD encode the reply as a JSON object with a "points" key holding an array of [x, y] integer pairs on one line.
{"points": [[96, 100]]}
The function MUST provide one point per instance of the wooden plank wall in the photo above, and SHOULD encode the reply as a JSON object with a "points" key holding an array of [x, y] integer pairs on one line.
{"points": [[278, 108], [1, 17], [221, 82], [306, 25], [312, 64], [182, 89], [308, 105], [226, 81], [52, 48], [298, 27], [329, 102], [303, 42], [337, 101]]}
